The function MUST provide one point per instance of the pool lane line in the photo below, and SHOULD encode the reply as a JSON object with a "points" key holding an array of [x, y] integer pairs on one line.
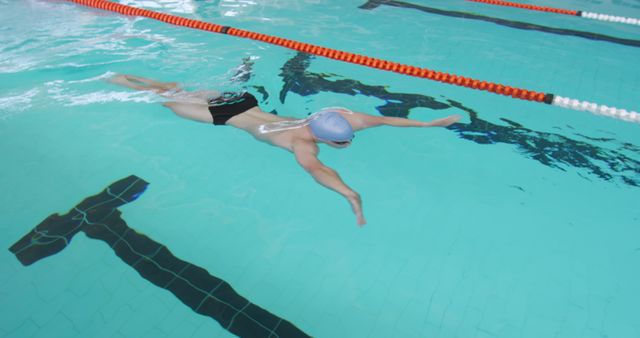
{"points": [[586, 15], [373, 4], [496, 88]]}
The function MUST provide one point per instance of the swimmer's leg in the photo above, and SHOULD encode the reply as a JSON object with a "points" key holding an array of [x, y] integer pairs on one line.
{"points": [[170, 90], [152, 83], [205, 95], [192, 111], [141, 83]]}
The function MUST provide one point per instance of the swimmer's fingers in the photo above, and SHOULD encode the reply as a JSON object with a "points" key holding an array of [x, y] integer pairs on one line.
{"points": [[361, 221], [356, 206], [444, 122]]}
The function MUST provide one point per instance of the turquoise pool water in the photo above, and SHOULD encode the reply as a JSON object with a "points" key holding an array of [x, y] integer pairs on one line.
{"points": [[521, 221]]}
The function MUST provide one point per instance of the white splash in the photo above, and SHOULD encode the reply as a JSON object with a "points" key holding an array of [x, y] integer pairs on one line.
{"points": [[11, 105], [64, 93], [177, 6], [103, 96]]}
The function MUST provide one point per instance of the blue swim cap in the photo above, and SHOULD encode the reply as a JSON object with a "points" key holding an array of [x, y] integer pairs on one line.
{"points": [[331, 126]]}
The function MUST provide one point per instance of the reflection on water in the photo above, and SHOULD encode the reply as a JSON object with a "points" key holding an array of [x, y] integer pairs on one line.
{"points": [[609, 162]]}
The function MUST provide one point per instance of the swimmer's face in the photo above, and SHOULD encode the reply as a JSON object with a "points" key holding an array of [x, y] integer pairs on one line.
{"points": [[339, 145]]}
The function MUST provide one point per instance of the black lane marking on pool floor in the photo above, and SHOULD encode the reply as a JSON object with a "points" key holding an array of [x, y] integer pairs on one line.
{"points": [[372, 4], [550, 149], [98, 217]]}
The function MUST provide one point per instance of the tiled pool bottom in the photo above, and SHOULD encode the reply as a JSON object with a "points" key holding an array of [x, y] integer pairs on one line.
{"points": [[99, 218], [518, 222]]}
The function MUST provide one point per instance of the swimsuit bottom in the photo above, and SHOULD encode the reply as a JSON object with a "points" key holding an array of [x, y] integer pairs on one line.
{"points": [[228, 105]]}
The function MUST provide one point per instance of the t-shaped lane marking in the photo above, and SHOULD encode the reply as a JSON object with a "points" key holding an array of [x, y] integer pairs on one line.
{"points": [[99, 218]]}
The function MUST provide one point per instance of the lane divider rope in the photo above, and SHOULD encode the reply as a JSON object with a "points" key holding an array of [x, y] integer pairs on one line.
{"points": [[514, 92], [586, 15]]}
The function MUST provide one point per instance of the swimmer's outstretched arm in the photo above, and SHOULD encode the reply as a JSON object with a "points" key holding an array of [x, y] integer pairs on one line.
{"points": [[306, 155], [361, 121]]}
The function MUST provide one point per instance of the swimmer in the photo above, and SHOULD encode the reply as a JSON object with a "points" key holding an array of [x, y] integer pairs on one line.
{"points": [[334, 127]]}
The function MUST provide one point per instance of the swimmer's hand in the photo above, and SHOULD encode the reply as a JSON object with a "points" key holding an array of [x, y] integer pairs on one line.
{"points": [[306, 154], [444, 122], [356, 206]]}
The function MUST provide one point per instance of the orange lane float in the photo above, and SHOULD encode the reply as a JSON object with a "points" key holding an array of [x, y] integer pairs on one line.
{"points": [[457, 80]]}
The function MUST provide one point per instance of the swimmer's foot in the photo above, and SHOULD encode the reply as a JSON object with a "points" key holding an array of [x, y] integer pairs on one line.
{"points": [[152, 84], [139, 83], [444, 122], [118, 79], [122, 80]]}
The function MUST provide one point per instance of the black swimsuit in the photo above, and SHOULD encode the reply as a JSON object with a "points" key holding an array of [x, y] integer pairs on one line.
{"points": [[229, 105]]}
